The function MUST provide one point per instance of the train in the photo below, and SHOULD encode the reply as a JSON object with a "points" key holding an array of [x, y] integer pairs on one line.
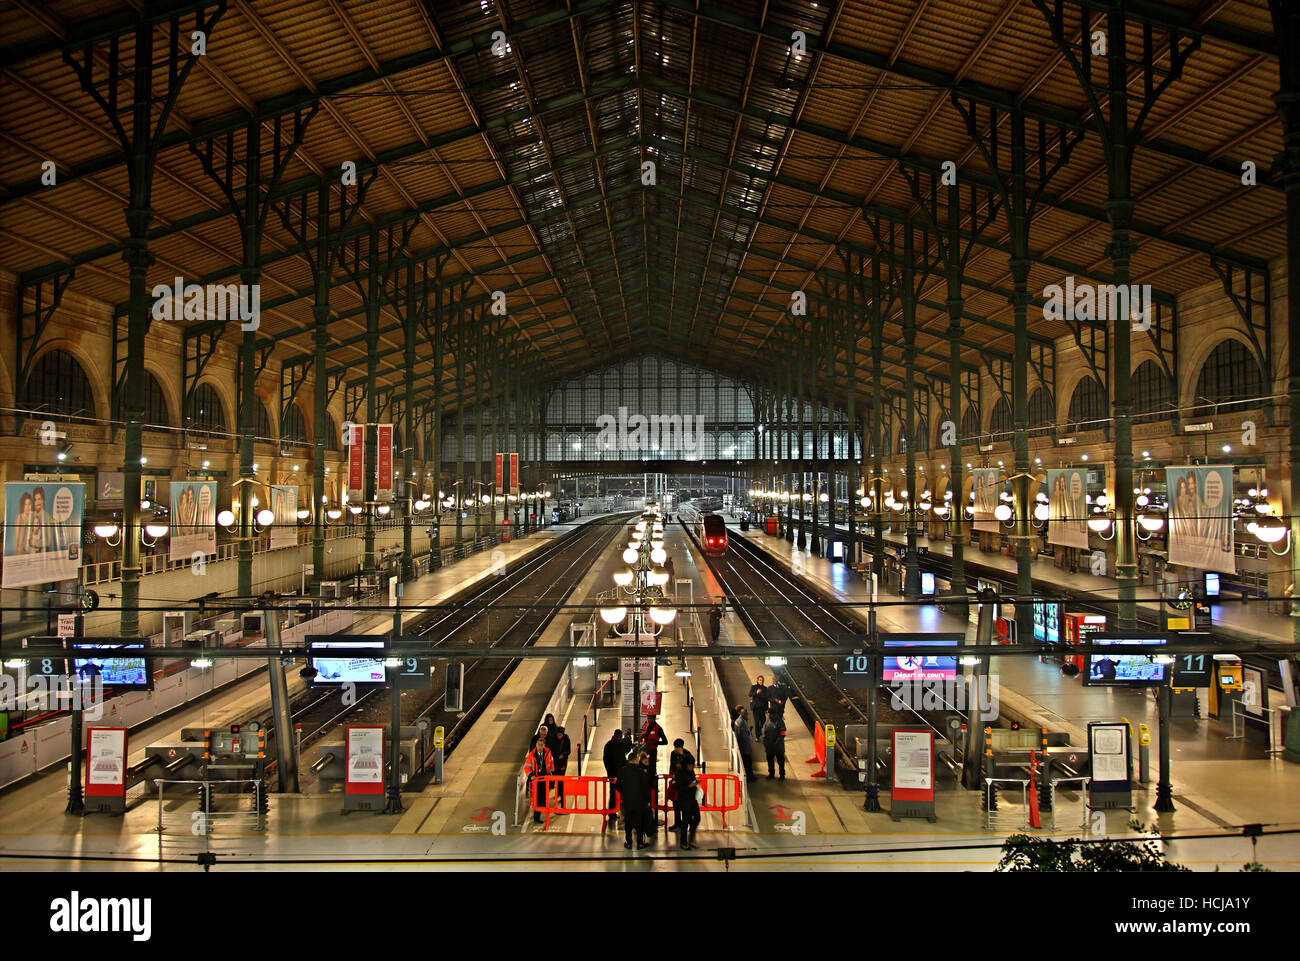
{"points": [[709, 529]]}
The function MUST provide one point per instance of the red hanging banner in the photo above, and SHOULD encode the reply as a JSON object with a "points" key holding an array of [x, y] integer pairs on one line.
{"points": [[499, 473], [514, 474], [384, 455], [356, 462]]}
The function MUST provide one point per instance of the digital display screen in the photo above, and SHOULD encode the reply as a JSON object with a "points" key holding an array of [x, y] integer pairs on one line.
{"points": [[110, 669], [1211, 584], [1047, 622], [931, 667], [927, 583], [1107, 669], [348, 666]]}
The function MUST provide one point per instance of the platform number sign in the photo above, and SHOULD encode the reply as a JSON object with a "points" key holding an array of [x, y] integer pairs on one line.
{"points": [[855, 670], [413, 674], [1193, 670]]}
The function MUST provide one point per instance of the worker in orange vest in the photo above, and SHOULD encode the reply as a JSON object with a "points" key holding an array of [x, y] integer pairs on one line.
{"points": [[537, 765]]}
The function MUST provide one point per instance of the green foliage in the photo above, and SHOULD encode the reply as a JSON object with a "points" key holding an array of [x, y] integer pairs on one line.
{"points": [[1254, 867], [1022, 852]]}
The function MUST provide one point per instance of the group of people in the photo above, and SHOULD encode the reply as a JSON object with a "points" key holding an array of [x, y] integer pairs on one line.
{"points": [[548, 754], [767, 703], [632, 768], [631, 765]]}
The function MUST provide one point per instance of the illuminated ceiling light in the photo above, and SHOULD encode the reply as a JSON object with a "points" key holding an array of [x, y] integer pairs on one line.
{"points": [[105, 531], [613, 615], [264, 518], [1042, 512], [1002, 512], [658, 555], [225, 518], [662, 615], [156, 530], [630, 556], [623, 578], [1270, 530]]}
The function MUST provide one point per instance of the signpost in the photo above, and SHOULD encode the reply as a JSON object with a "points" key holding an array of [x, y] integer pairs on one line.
{"points": [[106, 770], [1110, 746], [363, 787], [913, 785]]}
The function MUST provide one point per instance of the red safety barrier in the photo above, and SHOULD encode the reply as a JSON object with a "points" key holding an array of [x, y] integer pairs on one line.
{"points": [[582, 795], [819, 745], [721, 793]]}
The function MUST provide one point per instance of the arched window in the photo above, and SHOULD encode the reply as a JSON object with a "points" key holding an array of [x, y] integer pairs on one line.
{"points": [[1153, 394], [155, 404], [57, 384], [205, 413], [1230, 380], [1088, 405], [1000, 425], [262, 428], [332, 437], [293, 429], [923, 435], [1041, 412], [902, 441], [970, 424]]}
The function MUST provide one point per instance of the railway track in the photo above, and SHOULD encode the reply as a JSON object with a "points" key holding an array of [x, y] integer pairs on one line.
{"points": [[511, 610], [775, 606]]}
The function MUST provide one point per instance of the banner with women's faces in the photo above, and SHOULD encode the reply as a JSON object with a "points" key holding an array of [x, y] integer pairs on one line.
{"points": [[284, 505], [1200, 518], [42, 541], [193, 519], [1067, 501], [988, 485]]}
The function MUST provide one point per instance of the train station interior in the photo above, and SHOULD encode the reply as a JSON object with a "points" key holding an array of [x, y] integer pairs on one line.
{"points": [[649, 436]]}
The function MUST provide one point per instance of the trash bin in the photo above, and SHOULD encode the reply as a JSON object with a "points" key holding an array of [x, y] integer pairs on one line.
{"points": [[771, 526]]}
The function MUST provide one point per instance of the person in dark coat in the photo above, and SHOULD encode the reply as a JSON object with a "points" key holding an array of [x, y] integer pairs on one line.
{"points": [[634, 791], [774, 744], [776, 697], [551, 737], [614, 757], [560, 755], [677, 762], [689, 805], [744, 740], [758, 702], [715, 622]]}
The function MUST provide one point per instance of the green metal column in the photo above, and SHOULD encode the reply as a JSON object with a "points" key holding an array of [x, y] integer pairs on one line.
{"points": [[956, 468], [410, 317], [1286, 23], [373, 298], [912, 570], [878, 467]]}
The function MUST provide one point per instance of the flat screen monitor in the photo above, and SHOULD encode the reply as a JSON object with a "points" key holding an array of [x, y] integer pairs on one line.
{"points": [[1047, 622], [930, 667], [1211, 584], [927, 583], [348, 664], [114, 668], [1124, 670]]}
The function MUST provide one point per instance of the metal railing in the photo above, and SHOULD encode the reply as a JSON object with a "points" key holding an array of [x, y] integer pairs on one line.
{"points": [[204, 821], [1055, 785], [1017, 818]]}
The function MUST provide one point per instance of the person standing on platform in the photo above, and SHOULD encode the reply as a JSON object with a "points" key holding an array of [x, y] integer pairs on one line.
{"points": [[776, 697], [563, 747], [614, 757], [677, 763], [634, 790], [689, 795], [715, 623], [744, 741], [758, 702], [774, 744], [550, 724], [653, 738], [537, 765]]}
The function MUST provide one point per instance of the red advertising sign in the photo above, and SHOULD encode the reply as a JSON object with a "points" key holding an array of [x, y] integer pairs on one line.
{"points": [[356, 462], [384, 454], [651, 703], [500, 480], [106, 762], [514, 473], [365, 759], [913, 752]]}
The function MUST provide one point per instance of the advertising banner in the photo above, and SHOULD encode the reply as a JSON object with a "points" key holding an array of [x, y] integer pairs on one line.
{"points": [[1200, 518], [988, 485], [1067, 499], [284, 505], [356, 462], [109, 485], [365, 752], [42, 541], [384, 456], [499, 474], [105, 761], [193, 519], [514, 474]]}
